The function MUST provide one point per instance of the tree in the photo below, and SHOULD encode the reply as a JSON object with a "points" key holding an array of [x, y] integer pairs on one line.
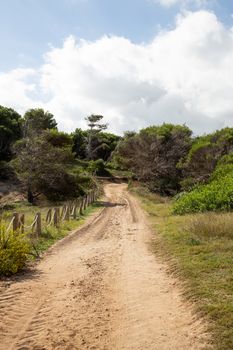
{"points": [[153, 155], [104, 145], [80, 143], [36, 120], [58, 138], [10, 131], [41, 167], [95, 127]]}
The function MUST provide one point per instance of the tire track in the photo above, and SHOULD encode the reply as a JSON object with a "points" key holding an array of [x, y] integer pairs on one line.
{"points": [[101, 289]]}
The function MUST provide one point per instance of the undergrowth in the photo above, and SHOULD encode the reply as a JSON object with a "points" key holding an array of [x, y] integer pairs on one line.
{"points": [[14, 250], [217, 195]]}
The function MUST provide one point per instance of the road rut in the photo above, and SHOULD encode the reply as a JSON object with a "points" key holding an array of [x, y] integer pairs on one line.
{"points": [[100, 288]]}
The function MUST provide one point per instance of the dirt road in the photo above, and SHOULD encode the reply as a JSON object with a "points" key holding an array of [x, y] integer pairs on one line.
{"points": [[100, 288]]}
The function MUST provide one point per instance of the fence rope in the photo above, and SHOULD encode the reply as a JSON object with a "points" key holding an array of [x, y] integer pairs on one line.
{"points": [[63, 213], [9, 226], [29, 226]]}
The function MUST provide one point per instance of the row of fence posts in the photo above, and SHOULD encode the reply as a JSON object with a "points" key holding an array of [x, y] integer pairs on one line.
{"points": [[54, 216]]}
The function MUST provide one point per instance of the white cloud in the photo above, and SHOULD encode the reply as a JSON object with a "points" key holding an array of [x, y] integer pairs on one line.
{"points": [[184, 75]]}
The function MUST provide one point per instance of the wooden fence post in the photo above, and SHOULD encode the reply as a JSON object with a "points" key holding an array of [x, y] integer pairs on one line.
{"points": [[15, 222], [67, 213], [81, 206], [49, 216], [74, 213], [63, 211], [58, 214], [55, 217], [85, 203], [38, 224], [21, 223]]}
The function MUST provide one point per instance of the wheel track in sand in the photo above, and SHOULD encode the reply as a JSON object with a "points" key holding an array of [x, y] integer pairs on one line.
{"points": [[100, 288]]}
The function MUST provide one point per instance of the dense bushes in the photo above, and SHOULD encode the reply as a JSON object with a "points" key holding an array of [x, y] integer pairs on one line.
{"points": [[153, 156], [6, 171], [216, 195], [202, 158], [13, 251]]}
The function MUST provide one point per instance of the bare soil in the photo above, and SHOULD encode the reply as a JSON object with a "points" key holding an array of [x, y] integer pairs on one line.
{"points": [[100, 288]]}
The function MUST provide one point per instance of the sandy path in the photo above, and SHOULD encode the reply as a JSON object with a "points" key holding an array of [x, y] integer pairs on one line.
{"points": [[100, 288]]}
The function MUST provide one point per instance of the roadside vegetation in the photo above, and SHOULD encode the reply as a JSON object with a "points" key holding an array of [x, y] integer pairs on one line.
{"points": [[47, 168], [199, 250]]}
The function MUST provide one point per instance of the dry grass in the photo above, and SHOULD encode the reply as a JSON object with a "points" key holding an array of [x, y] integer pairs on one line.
{"points": [[211, 225]]}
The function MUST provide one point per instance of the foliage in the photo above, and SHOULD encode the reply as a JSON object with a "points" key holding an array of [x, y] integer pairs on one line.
{"points": [[153, 155], [95, 127], [42, 168], [102, 144], [36, 120], [58, 139], [204, 155], [10, 131], [14, 248], [6, 171], [79, 143], [216, 195], [98, 167]]}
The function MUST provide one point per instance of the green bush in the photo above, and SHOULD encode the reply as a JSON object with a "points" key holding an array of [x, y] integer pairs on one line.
{"points": [[14, 248], [6, 171], [98, 167], [215, 196]]}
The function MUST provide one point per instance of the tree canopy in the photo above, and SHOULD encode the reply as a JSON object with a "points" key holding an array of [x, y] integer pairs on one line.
{"points": [[10, 131], [35, 120], [153, 155]]}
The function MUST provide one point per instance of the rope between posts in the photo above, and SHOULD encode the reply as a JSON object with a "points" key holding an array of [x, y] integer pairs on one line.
{"points": [[50, 223], [29, 226], [9, 226]]}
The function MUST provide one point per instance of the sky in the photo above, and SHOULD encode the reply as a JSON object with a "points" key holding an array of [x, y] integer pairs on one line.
{"points": [[136, 62]]}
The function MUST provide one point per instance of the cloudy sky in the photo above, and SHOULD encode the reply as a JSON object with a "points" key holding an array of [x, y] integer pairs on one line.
{"points": [[137, 62]]}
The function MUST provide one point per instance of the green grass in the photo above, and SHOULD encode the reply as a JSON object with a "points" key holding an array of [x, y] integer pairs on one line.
{"points": [[199, 249], [49, 234]]}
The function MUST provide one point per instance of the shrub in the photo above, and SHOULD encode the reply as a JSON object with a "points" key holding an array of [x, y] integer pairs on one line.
{"points": [[6, 171], [98, 167], [14, 248], [217, 195]]}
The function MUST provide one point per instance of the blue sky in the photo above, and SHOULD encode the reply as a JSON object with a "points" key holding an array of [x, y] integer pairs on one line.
{"points": [[28, 27], [137, 62]]}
